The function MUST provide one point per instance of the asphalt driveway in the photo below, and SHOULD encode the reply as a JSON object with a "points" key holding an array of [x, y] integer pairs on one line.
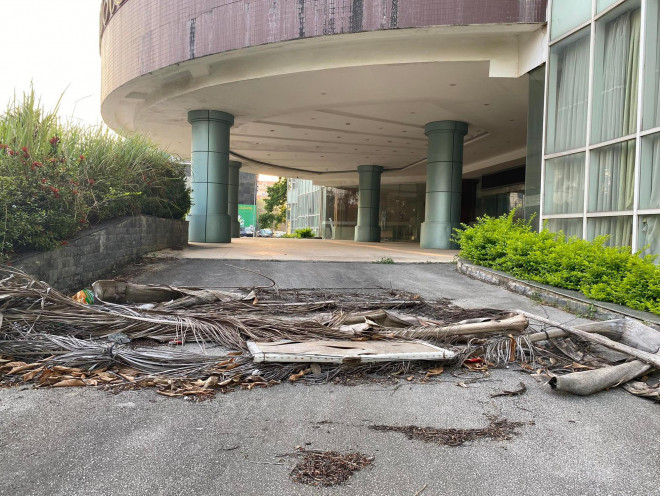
{"points": [[81, 441]]}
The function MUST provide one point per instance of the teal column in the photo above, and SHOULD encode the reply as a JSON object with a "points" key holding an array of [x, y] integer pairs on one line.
{"points": [[367, 228], [444, 173], [232, 202], [209, 220]]}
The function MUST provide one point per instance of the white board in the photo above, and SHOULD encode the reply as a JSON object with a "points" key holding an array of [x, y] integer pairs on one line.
{"points": [[329, 351]]}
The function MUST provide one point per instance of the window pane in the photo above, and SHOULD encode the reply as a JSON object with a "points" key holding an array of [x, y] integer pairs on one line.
{"points": [[649, 234], [649, 184], [651, 109], [603, 4], [570, 227], [612, 178], [569, 88], [564, 185], [619, 230], [568, 14], [615, 77]]}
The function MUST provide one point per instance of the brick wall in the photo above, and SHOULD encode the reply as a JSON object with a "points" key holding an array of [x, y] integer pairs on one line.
{"points": [[96, 252]]}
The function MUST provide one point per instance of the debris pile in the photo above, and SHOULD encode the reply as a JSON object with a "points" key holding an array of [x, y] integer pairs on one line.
{"points": [[499, 429], [327, 468], [195, 342]]}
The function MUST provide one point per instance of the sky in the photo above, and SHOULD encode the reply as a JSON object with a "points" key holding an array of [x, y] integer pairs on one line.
{"points": [[54, 44]]}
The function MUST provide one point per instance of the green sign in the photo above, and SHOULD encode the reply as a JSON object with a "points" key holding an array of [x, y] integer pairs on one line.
{"points": [[247, 215]]}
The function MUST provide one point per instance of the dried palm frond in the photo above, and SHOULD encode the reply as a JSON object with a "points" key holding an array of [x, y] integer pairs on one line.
{"points": [[95, 354]]}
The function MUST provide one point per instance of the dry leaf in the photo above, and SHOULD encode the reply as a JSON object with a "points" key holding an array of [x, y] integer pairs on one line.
{"points": [[410, 378], [299, 375], [31, 374], [69, 383], [436, 371], [462, 384], [21, 368]]}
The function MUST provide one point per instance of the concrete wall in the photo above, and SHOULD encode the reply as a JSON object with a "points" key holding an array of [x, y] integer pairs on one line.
{"points": [[96, 252], [144, 36]]}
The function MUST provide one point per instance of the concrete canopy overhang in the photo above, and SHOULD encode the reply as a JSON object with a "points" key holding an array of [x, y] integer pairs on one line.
{"points": [[317, 108]]}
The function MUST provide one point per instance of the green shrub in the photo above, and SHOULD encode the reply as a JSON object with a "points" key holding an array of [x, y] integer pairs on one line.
{"points": [[304, 233], [603, 273], [56, 179]]}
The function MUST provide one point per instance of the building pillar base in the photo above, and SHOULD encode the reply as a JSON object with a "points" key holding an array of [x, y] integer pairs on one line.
{"points": [[367, 228], [436, 235], [367, 233]]}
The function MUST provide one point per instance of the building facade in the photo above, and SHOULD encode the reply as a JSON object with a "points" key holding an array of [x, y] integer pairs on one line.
{"points": [[408, 116]]}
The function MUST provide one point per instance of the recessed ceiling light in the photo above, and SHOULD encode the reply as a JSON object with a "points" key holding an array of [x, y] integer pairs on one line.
{"points": [[512, 120], [324, 93], [486, 104], [389, 141], [272, 130], [355, 149], [322, 156], [452, 84], [404, 131], [348, 123]]}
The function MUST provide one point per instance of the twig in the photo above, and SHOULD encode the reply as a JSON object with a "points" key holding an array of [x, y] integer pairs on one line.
{"points": [[257, 273], [421, 490]]}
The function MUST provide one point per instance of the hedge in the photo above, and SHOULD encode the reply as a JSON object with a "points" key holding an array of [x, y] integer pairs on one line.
{"points": [[602, 273]]}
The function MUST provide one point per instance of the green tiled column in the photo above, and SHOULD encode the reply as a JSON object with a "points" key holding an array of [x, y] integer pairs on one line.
{"points": [[444, 173], [367, 228], [209, 218], [232, 202]]}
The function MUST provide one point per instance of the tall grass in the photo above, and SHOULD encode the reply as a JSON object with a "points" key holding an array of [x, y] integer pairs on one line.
{"points": [[57, 178]]}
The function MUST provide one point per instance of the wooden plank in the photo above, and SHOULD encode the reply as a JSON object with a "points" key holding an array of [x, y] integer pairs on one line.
{"points": [[327, 351]]}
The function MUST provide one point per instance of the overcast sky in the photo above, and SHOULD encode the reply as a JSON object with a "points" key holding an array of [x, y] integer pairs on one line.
{"points": [[55, 44]]}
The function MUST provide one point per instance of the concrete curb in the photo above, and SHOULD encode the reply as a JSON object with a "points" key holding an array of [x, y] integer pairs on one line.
{"points": [[571, 301]]}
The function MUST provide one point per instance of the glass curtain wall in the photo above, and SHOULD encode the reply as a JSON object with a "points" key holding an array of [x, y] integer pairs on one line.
{"points": [[601, 168]]}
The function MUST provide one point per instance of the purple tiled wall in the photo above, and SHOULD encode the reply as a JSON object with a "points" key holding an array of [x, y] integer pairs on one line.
{"points": [[140, 36]]}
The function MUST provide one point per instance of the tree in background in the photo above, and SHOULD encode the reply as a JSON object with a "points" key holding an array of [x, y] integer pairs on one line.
{"points": [[275, 205]]}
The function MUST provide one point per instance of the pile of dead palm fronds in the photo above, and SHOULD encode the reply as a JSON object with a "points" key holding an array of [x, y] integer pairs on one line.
{"points": [[142, 332]]}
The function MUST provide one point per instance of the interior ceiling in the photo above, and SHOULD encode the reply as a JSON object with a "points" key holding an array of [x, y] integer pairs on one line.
{"points": [[331, 121]]}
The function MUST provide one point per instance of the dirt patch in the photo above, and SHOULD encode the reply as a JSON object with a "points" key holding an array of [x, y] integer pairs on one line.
{"points": [[499, 429], [327, 468]]}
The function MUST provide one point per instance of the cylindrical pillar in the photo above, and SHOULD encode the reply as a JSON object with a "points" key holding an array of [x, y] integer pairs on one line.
{"points": [[367, 228], [209, 218], [232, 202], [444, 173]]}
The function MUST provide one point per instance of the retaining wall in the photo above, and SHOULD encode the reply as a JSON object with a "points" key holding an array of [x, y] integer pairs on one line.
{"points": [[96, 252]]}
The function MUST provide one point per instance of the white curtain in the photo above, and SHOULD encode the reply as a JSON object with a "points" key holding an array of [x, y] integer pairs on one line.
{"points": [[564, 185], [615, 165], [619, 229], [618, 100], [570, 227], [614, 183], [649, 234], [572, 93]]}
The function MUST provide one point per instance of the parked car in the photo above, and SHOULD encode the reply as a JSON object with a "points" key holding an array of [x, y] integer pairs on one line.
{"points": [[279, 234], [247, 232], [265, 233]]}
